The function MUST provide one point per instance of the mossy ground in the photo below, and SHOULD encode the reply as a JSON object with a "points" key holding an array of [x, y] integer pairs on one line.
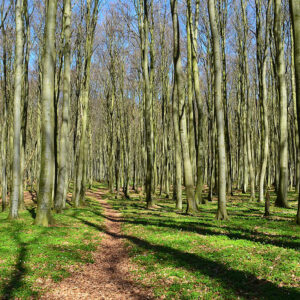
{"points": [[30, 254], [198, 257]]}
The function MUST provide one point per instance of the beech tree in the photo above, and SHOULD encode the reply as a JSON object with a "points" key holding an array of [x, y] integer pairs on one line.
{"points": [[80, 179], [295, 13], [46, 180], [62, 181], [16, 179], [222, 212], [281, 199]]}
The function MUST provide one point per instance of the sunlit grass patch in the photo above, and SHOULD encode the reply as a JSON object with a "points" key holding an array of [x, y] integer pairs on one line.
{"points": [[30, 254], [198, 257]]}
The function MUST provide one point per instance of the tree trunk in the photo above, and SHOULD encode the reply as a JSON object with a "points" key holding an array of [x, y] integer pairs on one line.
{"points": [[178, 186], [4, 133], [46, 181], [179, 79], [16, 168], [63, 153], [281, 200], [262, 73], [195, 76], [148, 104], [295, 13], [222, 212], [91, 21]]}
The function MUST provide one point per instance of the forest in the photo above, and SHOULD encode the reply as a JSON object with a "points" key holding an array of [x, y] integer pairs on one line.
{"points": [[149, 149]]}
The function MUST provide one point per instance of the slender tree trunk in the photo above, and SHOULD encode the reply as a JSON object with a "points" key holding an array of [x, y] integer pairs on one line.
{"points": [[262, 73], [91, 21], [189, 110], [46, 181], [196, 80], [178, 186], [281, 199], [148, 103], [25, 101], [63, 153], [179, 79], [246, 90], [4, 133], [222, 212], [16, 180], [223, 23], [294, 96], [295, 13]]}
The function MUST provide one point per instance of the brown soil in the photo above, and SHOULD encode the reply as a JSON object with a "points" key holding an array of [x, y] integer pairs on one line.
{"points": [[109, 276]]}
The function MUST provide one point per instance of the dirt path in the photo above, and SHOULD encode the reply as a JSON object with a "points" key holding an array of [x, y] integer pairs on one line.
{"points": [[108, 277]]}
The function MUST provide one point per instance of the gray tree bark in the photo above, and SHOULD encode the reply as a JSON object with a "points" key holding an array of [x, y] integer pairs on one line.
{"points": [[18, 77], [63, 153], [222, 212], [46, 180], [179, 80], [281, 199], [295, 13]]}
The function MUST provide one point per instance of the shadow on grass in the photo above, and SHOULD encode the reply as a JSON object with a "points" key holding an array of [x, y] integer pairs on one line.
{"points": [[16, 280], [244, 234], [32, 211], [204, 228], [242, 283]]}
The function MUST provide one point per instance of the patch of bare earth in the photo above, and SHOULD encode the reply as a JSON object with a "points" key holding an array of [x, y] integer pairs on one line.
{"points": [[109, 276]]}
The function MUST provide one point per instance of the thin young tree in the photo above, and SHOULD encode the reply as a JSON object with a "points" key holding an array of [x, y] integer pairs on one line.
{"points": [[179, 81], [91, 22], [261, 54], [16, 170], [196, 80], [281, 199], [295, 14], [144, 33], [63, 153], [222, 212], [5, 106]]}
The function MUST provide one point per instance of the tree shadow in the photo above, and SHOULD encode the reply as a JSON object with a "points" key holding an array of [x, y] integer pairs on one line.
{"points": [[16, 280], [32, 211], [242, 283], [204, 228], [244, 234], [234, 233]]}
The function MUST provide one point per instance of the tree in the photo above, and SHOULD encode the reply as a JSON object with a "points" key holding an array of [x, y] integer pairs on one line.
{"points": [[222, 212], [62, 162], [16, 180], [5, 107], [80, 180], [144, 33], [179, 82], [46, 180], [295, 14], [261, 56], [195, 76], [245, 93], [281, 199]]}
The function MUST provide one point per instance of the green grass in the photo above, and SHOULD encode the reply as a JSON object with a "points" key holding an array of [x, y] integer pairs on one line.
{"points": [[198, 257], [30, 254]]}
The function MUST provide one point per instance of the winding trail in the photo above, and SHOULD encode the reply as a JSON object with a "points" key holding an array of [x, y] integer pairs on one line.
{"points": [[108, 277]]}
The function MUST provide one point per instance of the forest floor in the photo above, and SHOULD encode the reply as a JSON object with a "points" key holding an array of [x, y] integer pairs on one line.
{"points": [[118, 249], [108, 277], [197, 257], [82, 256]]}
